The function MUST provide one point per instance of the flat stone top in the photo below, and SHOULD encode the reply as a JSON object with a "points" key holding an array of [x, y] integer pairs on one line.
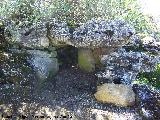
{"points": [[101, 33]]}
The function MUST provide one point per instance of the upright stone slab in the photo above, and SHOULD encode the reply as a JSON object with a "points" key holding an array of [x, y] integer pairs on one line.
{"points": [[45, 64]]}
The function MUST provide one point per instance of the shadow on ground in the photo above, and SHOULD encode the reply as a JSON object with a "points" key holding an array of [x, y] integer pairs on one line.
{"points": [[70, 95]]}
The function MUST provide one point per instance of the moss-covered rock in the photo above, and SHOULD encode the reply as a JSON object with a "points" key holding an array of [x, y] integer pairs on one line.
{"points": [[86, 60]]}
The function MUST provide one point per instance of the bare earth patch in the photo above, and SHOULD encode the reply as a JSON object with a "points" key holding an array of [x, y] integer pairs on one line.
{"points": [[70, 95]]}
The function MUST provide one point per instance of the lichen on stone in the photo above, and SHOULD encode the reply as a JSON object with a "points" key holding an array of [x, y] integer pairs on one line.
{"points": [[59, 31], [127, 65], [102, 33]]}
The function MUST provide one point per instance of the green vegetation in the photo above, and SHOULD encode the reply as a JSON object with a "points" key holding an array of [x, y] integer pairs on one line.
{"points": [[24, 12], [152, 78]]}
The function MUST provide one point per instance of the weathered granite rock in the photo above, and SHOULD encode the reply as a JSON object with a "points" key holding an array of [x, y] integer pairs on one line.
{"points": [[118, 94], [35, 35], [58, 33], [127, 65], [100, 34], [44, 64], [32, 36], [147, 44], [148, 40], [20, 70]]}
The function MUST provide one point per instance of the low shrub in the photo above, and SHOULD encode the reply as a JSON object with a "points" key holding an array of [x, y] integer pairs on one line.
{"points": [[151, 78]]}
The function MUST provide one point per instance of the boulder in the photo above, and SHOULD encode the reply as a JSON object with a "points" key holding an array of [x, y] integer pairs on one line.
{"points": [[148, 40], [127, 64], [96, 35], [35, 36], [31, 36], [118, 94], [44, 64]]}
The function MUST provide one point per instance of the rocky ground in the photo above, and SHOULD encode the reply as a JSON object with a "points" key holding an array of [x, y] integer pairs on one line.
{"points": [[70, 95]]}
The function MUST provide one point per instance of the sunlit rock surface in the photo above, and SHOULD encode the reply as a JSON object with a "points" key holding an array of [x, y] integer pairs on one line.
{"points": [[118, 94], [34, 35], [147, 44], [35, 111], [58, 32], [127, 65], [101, 33], [148, 40], [150, 44]]}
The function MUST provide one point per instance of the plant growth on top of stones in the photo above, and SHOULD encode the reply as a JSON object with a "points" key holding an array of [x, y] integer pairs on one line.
{"points": [[75, 22], [24, 12]]}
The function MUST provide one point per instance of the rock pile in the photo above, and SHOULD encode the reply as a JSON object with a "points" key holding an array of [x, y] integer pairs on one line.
{"points": [[127, 65]]}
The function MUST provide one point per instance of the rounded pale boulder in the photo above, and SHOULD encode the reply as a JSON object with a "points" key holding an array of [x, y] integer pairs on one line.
{"points": [[118, 94]]}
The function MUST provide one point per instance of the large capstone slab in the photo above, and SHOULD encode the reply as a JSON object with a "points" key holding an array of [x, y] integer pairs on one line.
{"points": [[98, 34], [101, 33], [58, 32], [44, 64], [32, 36], [35, 35], [118, 94]]}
